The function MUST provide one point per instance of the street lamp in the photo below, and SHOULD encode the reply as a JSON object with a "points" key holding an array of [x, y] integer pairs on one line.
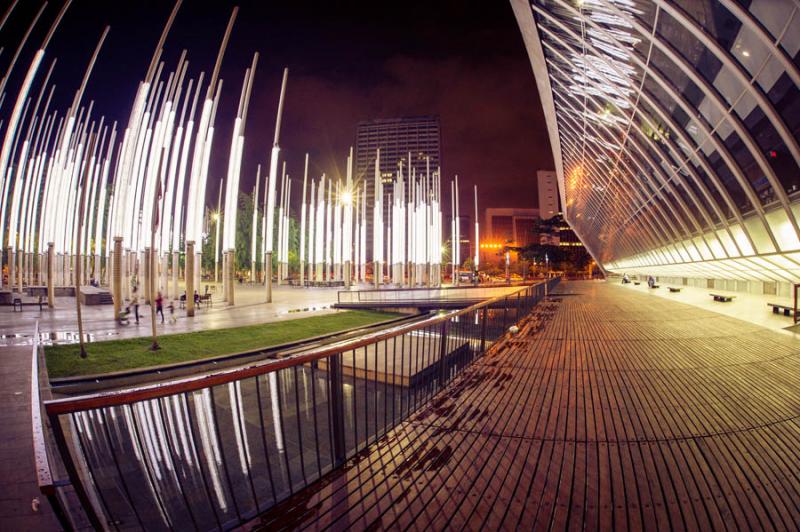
{"points": [[347, 198]]}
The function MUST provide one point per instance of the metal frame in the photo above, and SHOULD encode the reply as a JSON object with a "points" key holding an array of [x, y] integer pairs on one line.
{"points": [[659, 203], [217, 450]]}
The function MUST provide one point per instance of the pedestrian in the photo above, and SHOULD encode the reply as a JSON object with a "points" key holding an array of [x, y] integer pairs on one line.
{"points": [[172, 319], [135, 303], [196, 298], [160, 306]]}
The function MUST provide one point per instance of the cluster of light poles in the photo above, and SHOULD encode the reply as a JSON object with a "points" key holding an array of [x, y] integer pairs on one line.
{"points": [[84, 200], [406, 246]]}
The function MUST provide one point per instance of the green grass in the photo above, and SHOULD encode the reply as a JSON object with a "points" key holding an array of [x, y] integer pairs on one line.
{"points": [[119, 355]]}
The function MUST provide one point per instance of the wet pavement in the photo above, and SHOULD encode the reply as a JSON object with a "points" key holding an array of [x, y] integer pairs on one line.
{"points": [[59, 325]]}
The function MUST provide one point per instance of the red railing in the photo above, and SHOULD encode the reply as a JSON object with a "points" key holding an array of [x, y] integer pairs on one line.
{"points": [[213, 451]]}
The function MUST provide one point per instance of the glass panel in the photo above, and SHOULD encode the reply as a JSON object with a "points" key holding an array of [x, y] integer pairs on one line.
{"points": [[704, 62], [759, 235], [783, 230], [774, 16]]}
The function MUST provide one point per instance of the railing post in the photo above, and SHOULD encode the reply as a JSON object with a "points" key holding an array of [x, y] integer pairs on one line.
{"points": [[483, 328], [443, 354], [58, 509], [337, 409], [72, 471], [505, 315]]}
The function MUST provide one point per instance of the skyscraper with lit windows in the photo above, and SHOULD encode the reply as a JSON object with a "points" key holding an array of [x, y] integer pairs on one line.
{"points": [[419, 136]]}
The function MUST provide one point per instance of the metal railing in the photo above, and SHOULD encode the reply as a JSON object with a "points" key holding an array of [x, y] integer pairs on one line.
{"points": [[449, 293], [214, 451], [44, 474]]}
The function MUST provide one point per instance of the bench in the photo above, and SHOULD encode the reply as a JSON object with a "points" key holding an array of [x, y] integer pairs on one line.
{"points": [[636, 283], [325, 284], [654, 286], [674, 289], [206, 298], [784, 309], [19, 304], [722, 298]]}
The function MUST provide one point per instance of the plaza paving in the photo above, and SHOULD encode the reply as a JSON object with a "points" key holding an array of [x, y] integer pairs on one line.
{"points": [[17, 481], [60, 323], [751, 308], [612, 409]]}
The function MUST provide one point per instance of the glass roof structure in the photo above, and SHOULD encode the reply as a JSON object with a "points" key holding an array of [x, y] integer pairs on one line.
{"points": [[674, 128]]}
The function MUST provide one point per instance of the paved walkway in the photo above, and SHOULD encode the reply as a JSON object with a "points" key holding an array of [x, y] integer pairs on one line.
{"points": [[17, 472], [610, 410], [60, 324], [746, 307]]}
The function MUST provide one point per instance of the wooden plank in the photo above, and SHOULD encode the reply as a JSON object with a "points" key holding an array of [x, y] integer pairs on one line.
{"points": [[612, 410]]}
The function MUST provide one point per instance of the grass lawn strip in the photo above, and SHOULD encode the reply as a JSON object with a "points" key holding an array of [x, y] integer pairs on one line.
{"points": [[131, 353]]}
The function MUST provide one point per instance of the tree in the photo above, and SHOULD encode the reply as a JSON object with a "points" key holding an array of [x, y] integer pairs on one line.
{"points": [[564, 258], [209, 246], [244, 231]]}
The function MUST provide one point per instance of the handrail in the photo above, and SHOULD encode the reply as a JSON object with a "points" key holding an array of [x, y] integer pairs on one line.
{"points": [[452, 287], [44, 475], [154, 391], [273, 427], [425, 294]]}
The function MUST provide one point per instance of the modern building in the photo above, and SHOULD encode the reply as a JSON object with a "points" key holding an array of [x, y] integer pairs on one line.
{"points": [[466, 237], [674, 128], [547, 184], [506, 226], [419, 136]]}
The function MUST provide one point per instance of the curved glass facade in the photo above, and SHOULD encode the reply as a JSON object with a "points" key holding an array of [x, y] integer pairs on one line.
{"points": [[674, 126]]}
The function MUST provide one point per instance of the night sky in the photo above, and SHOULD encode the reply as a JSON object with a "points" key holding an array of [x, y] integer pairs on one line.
{"points": [[348, 61]]}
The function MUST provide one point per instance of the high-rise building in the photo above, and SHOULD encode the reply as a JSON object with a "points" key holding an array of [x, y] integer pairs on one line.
{"points": [[507, 226], [466, 237], [396, 137], [548, 193]]}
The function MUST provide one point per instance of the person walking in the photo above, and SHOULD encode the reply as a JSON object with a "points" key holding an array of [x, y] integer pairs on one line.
{"points": [[135, 303], [160, 306]]}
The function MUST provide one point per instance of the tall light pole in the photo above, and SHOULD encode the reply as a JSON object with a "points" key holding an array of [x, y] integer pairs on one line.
{"points": [[477, 234], [508, 264], [78, 247], [273, 183], [303, 223], [377, 224], [217, 216]]}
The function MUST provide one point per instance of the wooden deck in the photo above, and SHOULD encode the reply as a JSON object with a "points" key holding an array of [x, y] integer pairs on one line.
{"points": [[611, 409]]}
